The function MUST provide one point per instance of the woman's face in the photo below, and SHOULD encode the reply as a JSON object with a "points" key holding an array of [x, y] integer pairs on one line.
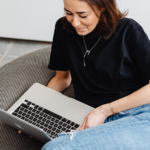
{"points": [[81, 16]]}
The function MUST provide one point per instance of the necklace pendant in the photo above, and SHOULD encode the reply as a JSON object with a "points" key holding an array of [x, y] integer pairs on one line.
{"points": [[84, 61], [88, 52]]}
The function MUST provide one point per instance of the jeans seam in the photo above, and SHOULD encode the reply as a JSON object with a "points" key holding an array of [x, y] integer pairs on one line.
{"points": [[147, 117]]}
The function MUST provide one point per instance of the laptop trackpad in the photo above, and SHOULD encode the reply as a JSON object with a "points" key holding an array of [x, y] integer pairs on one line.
{"points": [[58, 104], [46, 98], [50, 99]]}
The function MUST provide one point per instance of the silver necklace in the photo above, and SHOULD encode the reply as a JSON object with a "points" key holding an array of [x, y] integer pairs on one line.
{"points": [[88, 51]]}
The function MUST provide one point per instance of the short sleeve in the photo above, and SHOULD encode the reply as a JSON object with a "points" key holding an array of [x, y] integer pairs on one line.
{"points": [[139, 44], [58, 58]]}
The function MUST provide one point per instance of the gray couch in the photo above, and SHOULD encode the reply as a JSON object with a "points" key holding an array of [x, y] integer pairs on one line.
{"points": [[15, 78]]}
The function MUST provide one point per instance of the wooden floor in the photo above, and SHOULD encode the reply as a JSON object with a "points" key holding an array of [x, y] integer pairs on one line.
{"points": [[11, 49]]}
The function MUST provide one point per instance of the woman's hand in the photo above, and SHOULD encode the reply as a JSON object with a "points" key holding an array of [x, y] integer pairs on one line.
{"points": [[96, 117]]}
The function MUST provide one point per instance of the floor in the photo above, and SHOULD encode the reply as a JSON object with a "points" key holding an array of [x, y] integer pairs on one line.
{"points": [[11, 49]]}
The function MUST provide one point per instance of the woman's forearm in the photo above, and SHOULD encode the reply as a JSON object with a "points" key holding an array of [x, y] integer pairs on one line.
{"points": [[138, 98], [58, 84]]}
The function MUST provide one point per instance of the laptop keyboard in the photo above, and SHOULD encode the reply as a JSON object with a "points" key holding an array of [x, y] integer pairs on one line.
{"points": [[50, 122]]}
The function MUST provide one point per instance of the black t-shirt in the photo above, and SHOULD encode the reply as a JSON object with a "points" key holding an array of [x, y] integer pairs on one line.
{"points": [[115, 68]]}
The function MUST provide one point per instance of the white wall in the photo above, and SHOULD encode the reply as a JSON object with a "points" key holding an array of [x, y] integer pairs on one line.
{"points": [[139, 10], [35, 19], [29, 19]]}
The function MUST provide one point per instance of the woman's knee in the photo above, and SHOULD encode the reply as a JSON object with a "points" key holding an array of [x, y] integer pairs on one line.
{"points": [[55, 143]]}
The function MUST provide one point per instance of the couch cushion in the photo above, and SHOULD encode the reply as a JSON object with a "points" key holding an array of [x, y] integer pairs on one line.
{"points": [[15, 78]]}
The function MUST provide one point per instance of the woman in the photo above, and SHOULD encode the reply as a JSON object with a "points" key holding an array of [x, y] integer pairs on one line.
{"points": [[107, 57]]}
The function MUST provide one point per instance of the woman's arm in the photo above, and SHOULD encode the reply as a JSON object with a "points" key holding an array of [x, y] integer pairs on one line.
{"points": [[60, 81], [99, 114], [138, 98]]}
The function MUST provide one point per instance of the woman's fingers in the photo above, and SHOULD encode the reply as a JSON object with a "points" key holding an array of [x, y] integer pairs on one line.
{"points": [[83, 125]]}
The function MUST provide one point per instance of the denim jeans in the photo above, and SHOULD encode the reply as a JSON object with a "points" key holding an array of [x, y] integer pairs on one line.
{"points": [[127, 130]]}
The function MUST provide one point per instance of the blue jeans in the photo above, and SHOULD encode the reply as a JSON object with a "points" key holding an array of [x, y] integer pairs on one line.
{"points": [[127, 130]]}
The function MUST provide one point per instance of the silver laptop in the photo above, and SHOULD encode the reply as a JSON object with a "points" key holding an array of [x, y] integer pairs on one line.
{"points": [[43, 113]]}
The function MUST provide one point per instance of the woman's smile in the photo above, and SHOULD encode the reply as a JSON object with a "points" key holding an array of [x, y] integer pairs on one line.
{"points": [[80, 29]]}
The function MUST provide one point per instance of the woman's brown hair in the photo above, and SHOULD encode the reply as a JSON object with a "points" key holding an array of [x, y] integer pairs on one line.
{"points": [[108, 20]]}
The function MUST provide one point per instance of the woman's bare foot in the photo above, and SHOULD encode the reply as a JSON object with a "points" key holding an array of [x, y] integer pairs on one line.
{"points": [[21, 132]]}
